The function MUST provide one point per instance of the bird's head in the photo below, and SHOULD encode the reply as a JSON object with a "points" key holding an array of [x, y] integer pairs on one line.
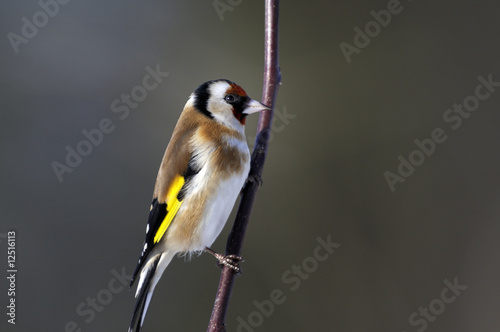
{"points": [[225, 102]]}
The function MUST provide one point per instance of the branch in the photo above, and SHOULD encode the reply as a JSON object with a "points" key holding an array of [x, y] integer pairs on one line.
{"points": [[272, 80]]}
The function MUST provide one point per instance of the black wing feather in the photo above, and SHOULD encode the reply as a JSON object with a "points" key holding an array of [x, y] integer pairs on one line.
{"points": [[157, 215]]}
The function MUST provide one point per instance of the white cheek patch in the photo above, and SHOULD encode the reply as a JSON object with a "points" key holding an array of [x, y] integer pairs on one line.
{"points": [[218, 90], [216, 104], [220, 109]]}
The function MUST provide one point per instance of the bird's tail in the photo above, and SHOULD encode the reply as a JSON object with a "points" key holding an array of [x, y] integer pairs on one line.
{"points": [[148, 279]]}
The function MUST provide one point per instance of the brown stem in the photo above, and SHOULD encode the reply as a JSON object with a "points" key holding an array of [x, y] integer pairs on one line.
{"points": [[272, 80]]}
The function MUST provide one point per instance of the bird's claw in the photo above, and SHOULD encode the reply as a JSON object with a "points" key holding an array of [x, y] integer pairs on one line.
{"points": [[255, 178], [231, 261]]}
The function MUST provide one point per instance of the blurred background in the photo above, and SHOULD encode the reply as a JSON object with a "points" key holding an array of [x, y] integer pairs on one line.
{"points": [[411, 249]]}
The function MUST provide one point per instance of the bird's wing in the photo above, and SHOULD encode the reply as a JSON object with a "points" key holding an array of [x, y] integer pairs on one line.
{"points": [[176, 171]]}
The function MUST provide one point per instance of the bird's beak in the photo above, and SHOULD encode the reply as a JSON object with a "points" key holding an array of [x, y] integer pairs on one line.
{"points": [[254, 106]]}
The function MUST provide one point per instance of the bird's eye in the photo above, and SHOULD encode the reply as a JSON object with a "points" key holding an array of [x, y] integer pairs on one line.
{"points": [[230, 98]]}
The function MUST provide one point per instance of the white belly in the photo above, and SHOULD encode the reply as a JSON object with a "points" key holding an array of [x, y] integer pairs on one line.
{"points": [[219, 209], [210, 197]]}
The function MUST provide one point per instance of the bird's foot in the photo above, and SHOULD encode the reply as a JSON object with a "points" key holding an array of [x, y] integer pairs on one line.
{"points": [[254, 178], [231, 261]]}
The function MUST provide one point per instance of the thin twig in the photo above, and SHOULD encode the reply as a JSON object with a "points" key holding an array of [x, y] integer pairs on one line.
{"points": [[272, 80]]}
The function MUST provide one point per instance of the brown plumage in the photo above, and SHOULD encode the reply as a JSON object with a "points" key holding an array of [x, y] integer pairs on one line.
{"points": [[202, 172]]}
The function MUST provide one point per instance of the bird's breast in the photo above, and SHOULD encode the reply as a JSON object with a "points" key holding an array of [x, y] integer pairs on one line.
{"points": [[223, 168]]}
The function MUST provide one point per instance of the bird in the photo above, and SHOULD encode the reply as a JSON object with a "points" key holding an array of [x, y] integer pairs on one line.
{"points": [[204, 168]]}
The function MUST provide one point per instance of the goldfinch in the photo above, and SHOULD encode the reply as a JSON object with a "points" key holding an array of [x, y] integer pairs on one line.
{"points": [[202, 172]]}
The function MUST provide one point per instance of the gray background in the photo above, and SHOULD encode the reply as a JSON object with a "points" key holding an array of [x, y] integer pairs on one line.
{"points": [[347, 124]]}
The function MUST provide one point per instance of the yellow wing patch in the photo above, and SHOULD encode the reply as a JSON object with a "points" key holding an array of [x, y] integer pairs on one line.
{"points": [[173, 205]]}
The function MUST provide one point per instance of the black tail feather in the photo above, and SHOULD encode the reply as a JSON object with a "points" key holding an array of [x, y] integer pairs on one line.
{"points": [[140, 304]]}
